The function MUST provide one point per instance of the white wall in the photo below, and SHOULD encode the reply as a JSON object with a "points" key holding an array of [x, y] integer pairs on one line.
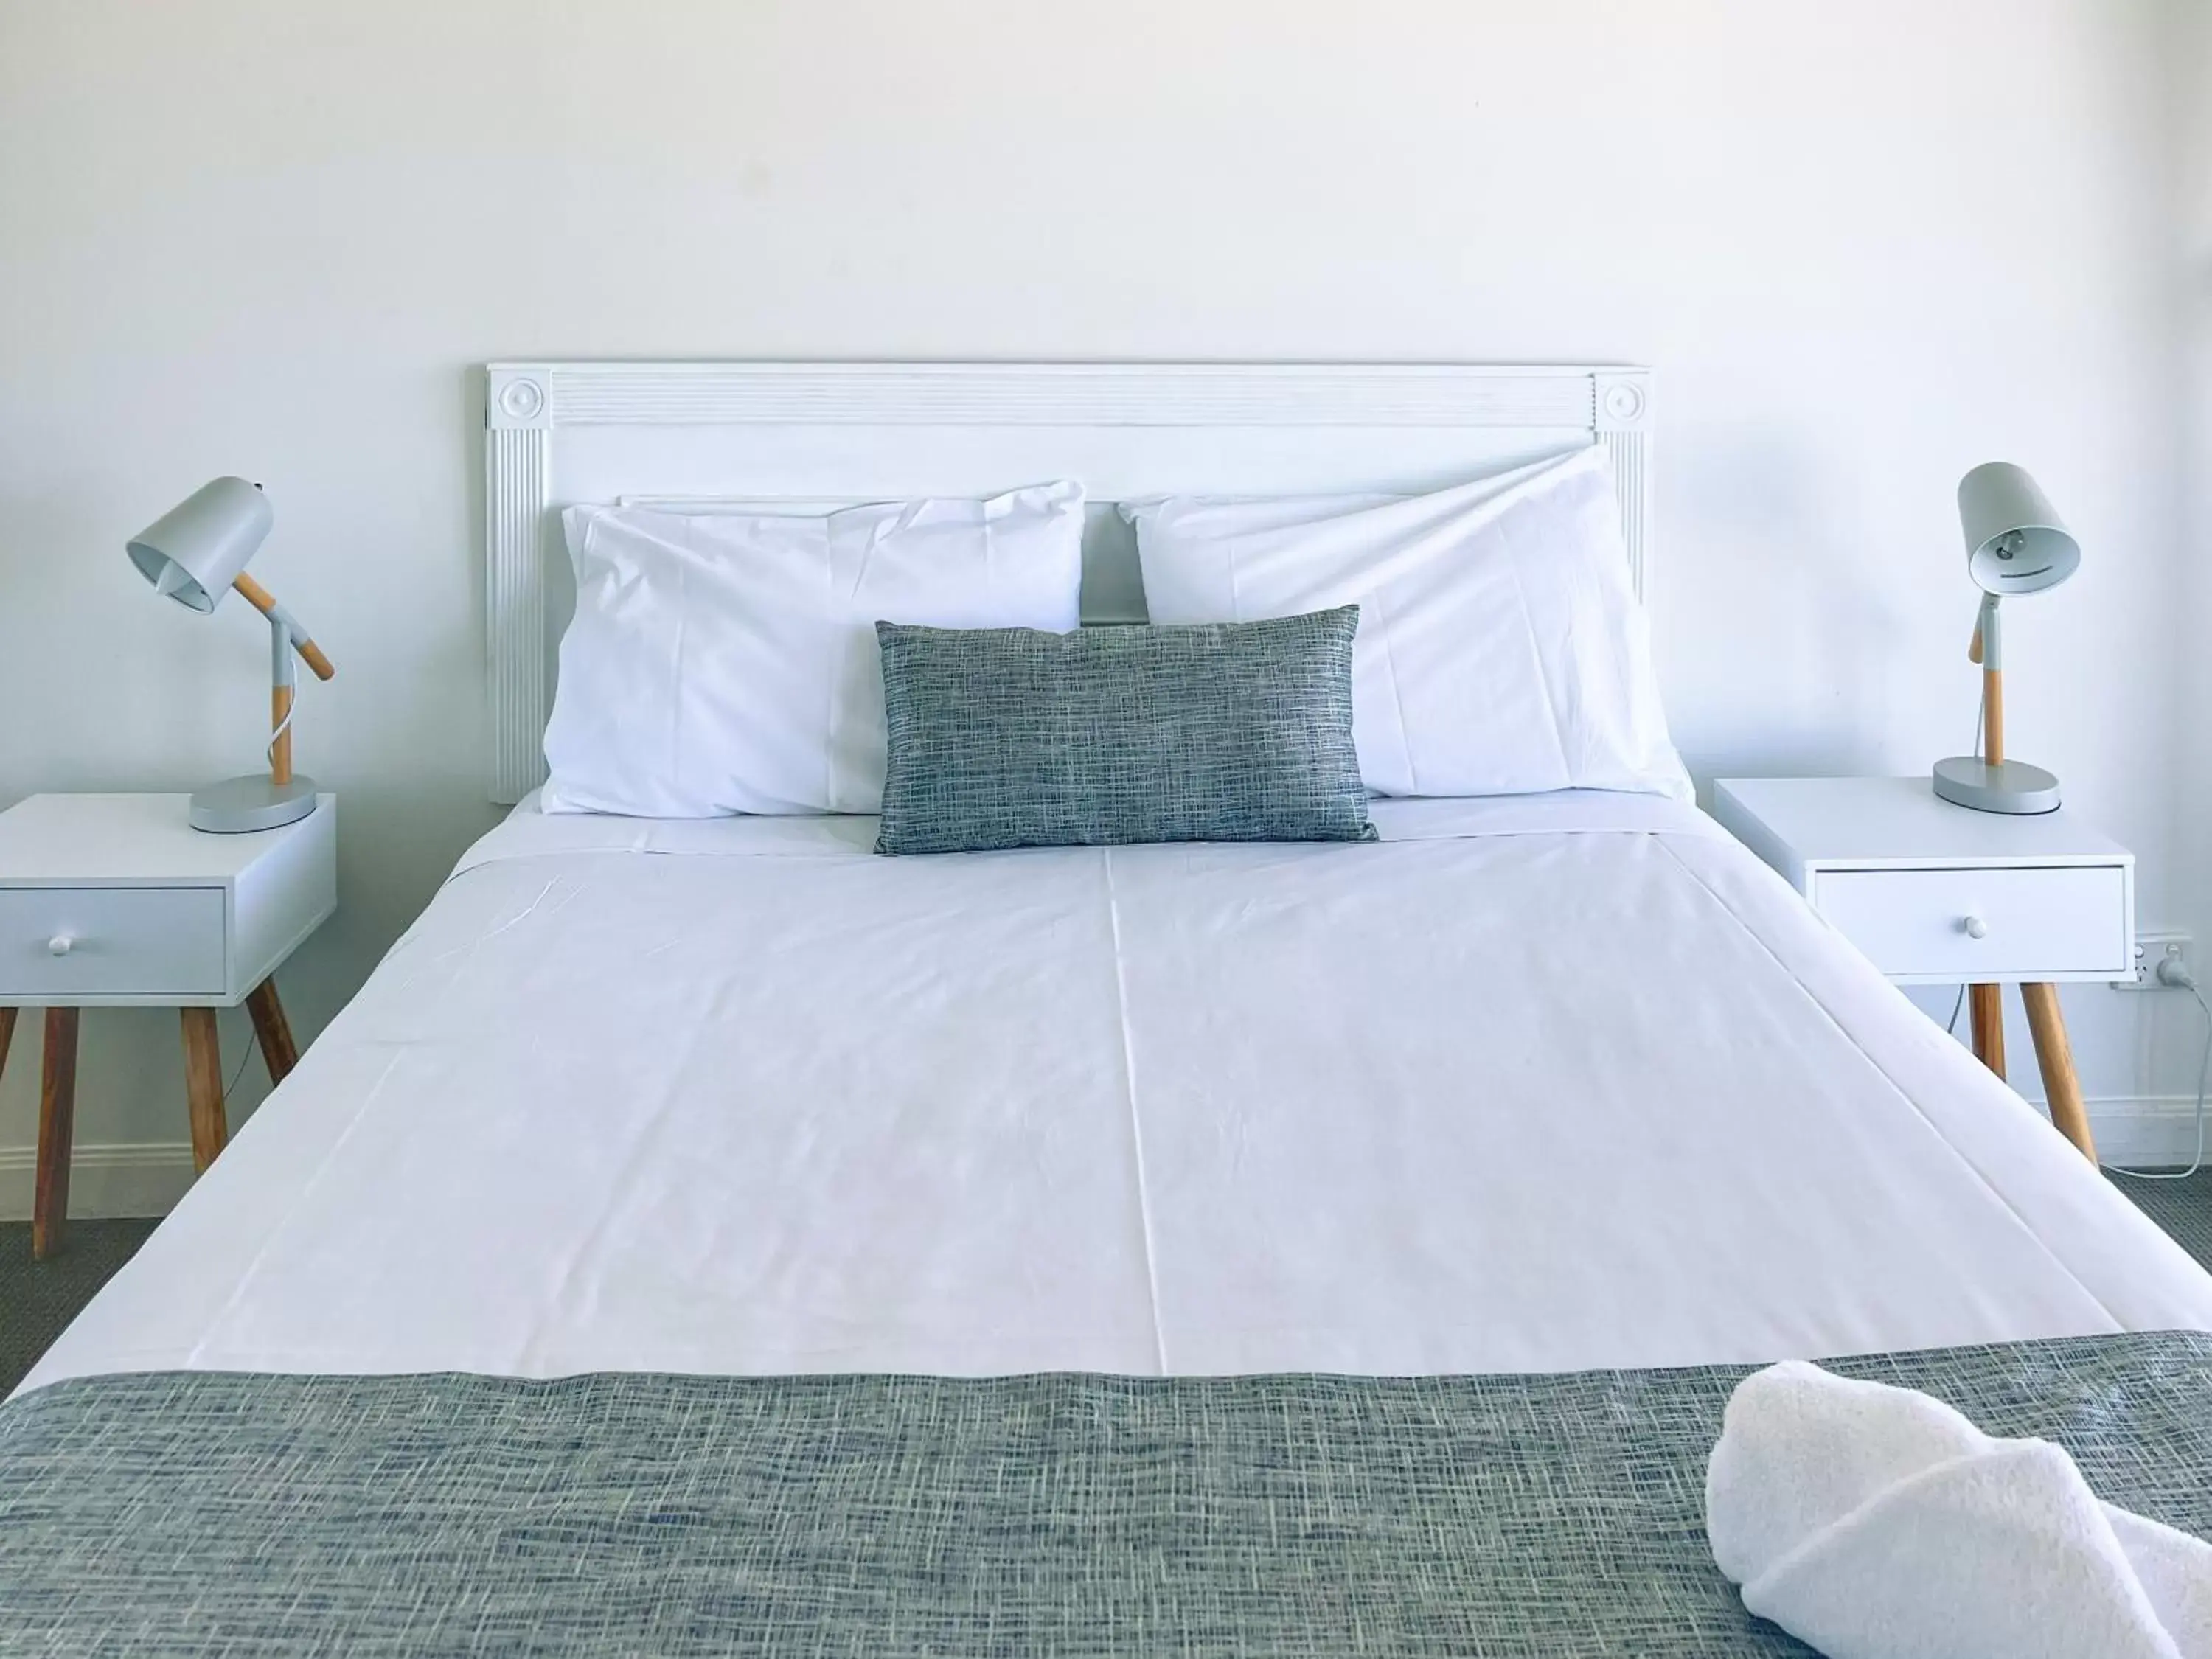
{"points": [[2188, 108], [1867, 244]]}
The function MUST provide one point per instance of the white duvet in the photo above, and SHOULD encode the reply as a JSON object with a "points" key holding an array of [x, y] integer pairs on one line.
{"points": [[1538, 1084]]}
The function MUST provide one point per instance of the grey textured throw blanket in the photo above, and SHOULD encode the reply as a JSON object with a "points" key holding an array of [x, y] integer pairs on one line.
{"points": [[1058, 1515]]}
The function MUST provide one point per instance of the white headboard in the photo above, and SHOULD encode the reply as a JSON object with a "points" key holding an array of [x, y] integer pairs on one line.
{"points": [[562, 433]]}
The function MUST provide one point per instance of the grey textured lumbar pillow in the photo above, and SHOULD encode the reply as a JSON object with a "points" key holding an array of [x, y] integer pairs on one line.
{"points": [[1007, 737]]}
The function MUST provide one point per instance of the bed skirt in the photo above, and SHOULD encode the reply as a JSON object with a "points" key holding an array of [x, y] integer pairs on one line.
{"points": [[1289, 1516]]}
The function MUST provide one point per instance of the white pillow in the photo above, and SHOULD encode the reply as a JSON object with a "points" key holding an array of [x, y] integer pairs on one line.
{"points": [[726, 662], [1501, 650]]}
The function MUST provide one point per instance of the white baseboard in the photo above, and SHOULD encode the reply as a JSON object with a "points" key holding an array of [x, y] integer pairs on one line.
{"points": [[123, 1178], [2147, 1132], [147, 1178]]}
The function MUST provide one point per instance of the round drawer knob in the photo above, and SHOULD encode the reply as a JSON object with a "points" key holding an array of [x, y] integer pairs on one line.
{"points": [[1974, 928], [59, 944]]}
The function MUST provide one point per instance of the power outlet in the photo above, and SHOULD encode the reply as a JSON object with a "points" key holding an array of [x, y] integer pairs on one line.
{"points": [[2151, 948]]}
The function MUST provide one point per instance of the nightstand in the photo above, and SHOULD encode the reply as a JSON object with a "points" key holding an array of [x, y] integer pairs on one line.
{"points": [[1936, 894], [116, 901]]}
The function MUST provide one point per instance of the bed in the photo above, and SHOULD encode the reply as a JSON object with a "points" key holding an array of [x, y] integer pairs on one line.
{"points": [[707, 1237]]}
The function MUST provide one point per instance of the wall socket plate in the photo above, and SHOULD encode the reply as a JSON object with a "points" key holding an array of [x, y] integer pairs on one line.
{"points": [[2151, 948]]}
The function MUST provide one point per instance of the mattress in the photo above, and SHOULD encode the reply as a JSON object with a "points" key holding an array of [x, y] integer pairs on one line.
{"points": [[1539, 1084]]}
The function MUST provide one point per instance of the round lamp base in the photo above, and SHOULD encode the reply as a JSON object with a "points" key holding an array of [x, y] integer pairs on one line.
{"points": [[2008, 787], [237, 805]]}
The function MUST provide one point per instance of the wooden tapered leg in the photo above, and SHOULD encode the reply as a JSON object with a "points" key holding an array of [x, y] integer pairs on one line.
{"points": [[1986, 1006], [57, 1129], [204, 1086], [273, 1030], [7, 1035], [2055, 1056]]}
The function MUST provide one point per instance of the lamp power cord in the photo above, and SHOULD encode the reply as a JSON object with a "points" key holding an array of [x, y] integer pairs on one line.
{"points": [[250, 1047], [282, 727], [2176, 977]]}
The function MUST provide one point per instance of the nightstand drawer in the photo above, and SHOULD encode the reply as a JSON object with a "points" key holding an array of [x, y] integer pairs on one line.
{"points": [[119, 941], [2012, 922]]}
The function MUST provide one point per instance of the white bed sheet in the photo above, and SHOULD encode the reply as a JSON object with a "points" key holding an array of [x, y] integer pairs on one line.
{"points": [[1534, 1084]]}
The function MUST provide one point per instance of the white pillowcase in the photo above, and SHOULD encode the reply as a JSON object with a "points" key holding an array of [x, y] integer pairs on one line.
{"points": [[1501, 650], [726, 662]]}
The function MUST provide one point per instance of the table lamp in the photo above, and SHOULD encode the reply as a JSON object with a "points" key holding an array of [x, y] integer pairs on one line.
{"points": [[195, 553], [2014, 544]]}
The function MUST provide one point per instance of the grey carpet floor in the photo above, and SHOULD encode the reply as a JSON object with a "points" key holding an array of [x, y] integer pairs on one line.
{"points": [[37, 1298], [2183, 1208]]}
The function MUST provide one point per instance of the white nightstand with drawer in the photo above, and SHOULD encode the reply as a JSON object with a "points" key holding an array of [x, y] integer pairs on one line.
{"points": [[115, 901], [1936, 894]]}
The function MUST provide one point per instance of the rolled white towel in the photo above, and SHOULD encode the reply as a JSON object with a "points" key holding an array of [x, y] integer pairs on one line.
{"points": [[1874, 1522]]}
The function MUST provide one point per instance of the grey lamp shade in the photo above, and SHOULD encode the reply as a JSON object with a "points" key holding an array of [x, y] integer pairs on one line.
{"points": [[2015, 541], [195, 550]]}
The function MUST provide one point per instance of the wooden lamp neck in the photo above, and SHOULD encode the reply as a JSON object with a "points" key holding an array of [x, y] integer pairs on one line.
{"points": [[296, 636], [1988, 650], [282, 681], [285, 636]]}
